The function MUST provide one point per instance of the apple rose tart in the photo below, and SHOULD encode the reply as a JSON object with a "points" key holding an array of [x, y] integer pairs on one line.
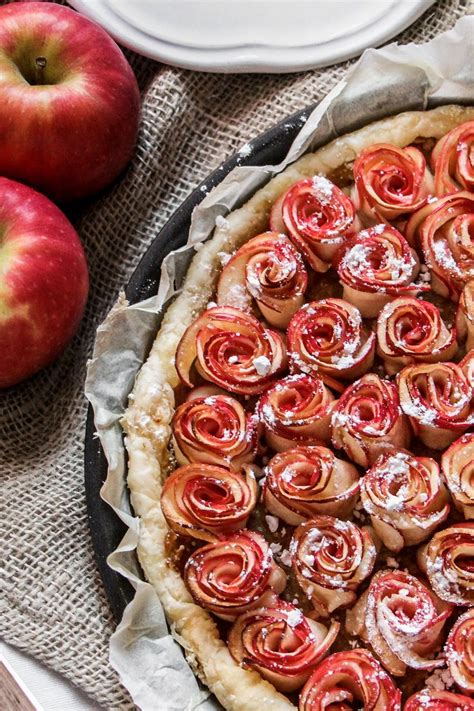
{"points": [[459, 651], [390, 182], [310, 396], [452, 160], [328, 337], [280, 642], [367, 420], [330, 559], [457, 464], [214, 430], [377, 266], [318, 218], [401, 619], [306, 481], [206, 501], [232, 575], [405, 498], [444, 229], [431, 700], [465, 315], [448, 561], [439, 400], [270, 270], [410, 331], [296, 410], [350, 680]]}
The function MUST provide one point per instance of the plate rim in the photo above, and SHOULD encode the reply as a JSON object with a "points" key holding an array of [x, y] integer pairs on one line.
{"points": [[239, 59]]}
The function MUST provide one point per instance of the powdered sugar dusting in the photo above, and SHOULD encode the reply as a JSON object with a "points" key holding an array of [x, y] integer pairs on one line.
{"points": [[262, 365], [323, 186], [294, 617]]}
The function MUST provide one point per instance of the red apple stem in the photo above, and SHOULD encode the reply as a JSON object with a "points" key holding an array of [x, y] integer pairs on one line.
{"points": [[40, 66]]}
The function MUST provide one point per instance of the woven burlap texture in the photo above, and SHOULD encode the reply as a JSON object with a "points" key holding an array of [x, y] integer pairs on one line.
{"points": [[53, 603]]}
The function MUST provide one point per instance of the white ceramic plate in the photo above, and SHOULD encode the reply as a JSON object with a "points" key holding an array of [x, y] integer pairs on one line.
{"points": [[252, 35]]}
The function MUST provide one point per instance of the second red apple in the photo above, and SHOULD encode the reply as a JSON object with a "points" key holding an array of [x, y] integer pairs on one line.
{"points": [[43, 282]]}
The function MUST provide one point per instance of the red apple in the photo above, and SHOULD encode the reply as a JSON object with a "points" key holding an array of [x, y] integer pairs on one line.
{"points": [[43, 281], [69, 101]]}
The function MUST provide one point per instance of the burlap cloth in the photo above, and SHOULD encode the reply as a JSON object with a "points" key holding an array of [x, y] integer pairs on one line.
{"points": [[53, 605]]}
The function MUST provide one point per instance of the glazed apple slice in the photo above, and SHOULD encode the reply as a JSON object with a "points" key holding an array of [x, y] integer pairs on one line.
{"points": [[318, 217], [232, 575], [377, 266], [329, 338], [368, 420], [402, 620], [390, 182], [405, 498], [331, 559], [214, 429], [452, 160], [296, 411], [448, 561], [270, 270], [465, 315], [433, 700], [459, 650], [445, 229], [411, 331], [232, 350], [457, 464], [206, 501], [281, 643], [439, 400], [350, 680], [305, 481]]}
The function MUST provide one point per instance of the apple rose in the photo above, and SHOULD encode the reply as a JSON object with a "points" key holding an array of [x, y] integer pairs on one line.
{"points": [[467, 367], [377, 266], [465, 315], [206, 501], [445, 230], [459, 650], [401, 619], [448, 561], [328, 337], [296, 410], [410, 331], [269, 269], [439, 400], [330, 559], [367, 420], [317, 216], [390, 181], [405, 498], [230, 576], [214, 430], [280, 643], [305, 481], [431, 700], [350, 680], [457, 464], [231, 349], [453, 162]]}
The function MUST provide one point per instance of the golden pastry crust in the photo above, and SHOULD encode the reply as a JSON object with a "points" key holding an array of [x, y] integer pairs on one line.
{"points": [[147, 419]]}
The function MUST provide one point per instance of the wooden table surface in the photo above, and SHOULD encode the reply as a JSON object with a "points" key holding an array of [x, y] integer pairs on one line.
{"points": [[12, 697]]}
